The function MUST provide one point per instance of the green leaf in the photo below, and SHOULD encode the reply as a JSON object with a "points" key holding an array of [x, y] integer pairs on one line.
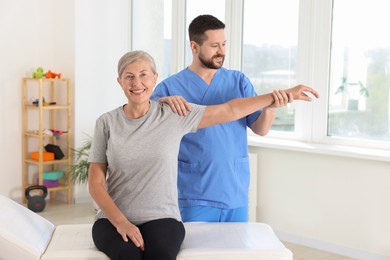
{"points": [[80, 167]]}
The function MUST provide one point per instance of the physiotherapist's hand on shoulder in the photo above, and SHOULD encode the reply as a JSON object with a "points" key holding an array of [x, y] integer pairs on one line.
{"points": [[177, 103]]}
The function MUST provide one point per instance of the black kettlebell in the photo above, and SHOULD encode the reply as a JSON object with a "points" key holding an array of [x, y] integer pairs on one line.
{"points": [[36, 203]]}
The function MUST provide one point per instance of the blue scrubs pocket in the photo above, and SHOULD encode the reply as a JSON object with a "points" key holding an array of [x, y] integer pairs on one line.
{"points": [[189, 180], [241, 168]]}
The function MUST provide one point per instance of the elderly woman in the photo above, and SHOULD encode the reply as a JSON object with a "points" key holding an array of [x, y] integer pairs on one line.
{"points": [[133, 162]]}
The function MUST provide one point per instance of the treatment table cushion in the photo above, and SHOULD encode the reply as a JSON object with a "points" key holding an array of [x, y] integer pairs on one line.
{"points": [[203, 241], [28, 236], [73, 242], [231, 241]]}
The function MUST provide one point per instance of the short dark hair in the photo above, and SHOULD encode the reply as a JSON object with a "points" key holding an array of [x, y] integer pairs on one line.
{"points": [[201, 24]]}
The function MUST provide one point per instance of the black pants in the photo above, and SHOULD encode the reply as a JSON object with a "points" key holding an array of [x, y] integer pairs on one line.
{"points": [[162, 238]]}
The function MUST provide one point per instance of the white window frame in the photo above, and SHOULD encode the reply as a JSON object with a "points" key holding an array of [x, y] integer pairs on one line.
{"points": [[315, 25], [178, 35]]}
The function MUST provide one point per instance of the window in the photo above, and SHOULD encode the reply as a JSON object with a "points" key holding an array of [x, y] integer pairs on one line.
{"points": [[270, 39], [360, 71]]}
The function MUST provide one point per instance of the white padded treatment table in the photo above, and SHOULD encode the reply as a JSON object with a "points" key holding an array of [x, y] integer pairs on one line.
{"points": [[26, 235]]}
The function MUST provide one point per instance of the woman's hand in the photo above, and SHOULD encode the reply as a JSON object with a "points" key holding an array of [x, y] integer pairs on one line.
{"points": [[177, 103], [299, 92], [128, 230]]}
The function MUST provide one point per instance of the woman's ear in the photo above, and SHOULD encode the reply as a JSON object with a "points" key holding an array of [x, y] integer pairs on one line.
{"points": [[155, 78]]}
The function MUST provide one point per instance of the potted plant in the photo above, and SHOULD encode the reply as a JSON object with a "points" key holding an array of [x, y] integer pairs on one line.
{"points": [[80, 167], [353, 90]]}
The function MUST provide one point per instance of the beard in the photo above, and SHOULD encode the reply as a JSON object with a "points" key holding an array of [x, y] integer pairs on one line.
{"points": [[210, 63]]}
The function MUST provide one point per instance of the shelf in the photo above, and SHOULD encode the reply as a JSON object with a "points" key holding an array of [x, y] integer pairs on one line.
{"points": [[35, 134], [50, 107], [55, 116], [62, 161], [58, 188], [46, 80]]}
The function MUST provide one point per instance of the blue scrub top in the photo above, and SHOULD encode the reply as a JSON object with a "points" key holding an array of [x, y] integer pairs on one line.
{"points": [[213, 162]]}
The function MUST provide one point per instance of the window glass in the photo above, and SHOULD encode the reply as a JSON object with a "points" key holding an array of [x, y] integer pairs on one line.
{"points": [[360, 70], [270, 39], [198, 7]]}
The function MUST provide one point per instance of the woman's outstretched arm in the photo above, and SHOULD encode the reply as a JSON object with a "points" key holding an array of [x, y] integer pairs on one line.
{"points": [[240, 107]]}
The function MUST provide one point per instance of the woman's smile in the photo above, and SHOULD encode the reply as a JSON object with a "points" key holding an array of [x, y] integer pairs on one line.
{"points": [[138, 91]]}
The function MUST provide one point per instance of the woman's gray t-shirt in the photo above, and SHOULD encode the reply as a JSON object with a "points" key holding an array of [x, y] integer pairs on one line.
{"points": [[141, 156]]}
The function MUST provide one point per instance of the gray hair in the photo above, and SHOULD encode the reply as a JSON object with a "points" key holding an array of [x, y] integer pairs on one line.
{"points": [[133, 56]]}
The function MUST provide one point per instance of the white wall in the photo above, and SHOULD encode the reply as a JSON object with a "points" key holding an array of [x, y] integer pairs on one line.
{"points": [[102, 37], [33, 33], [336, 203], [44, 33], [151, 41]]}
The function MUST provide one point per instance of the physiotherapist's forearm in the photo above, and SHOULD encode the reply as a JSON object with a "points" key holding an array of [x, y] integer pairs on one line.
{"points": [[264, 122]]}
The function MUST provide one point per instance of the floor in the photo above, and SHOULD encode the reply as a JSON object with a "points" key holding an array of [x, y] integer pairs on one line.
{"points": [[60, 213]]}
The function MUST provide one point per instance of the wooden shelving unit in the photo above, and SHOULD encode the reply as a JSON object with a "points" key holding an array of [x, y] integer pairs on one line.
{"points": [[56, 115]]}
